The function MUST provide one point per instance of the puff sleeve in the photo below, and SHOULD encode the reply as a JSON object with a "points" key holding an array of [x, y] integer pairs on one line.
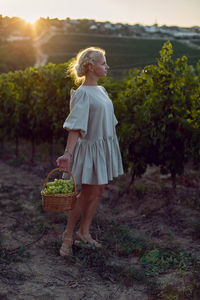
{"points": [[79, 112]]}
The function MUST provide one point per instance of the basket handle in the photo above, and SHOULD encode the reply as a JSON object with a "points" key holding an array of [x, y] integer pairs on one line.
{"points": [[58, 170]]}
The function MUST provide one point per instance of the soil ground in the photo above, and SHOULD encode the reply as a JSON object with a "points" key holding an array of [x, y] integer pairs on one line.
{"points": [[30, 265]]}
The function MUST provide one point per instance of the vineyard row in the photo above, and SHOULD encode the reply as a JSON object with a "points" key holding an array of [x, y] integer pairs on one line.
{"points": [[158, 109]]}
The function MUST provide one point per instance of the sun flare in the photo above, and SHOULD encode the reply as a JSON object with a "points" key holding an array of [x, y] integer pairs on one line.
{"points": [[30, 19]]}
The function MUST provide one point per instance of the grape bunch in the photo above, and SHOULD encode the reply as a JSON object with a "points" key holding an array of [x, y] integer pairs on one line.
{"points": [[59, 186]]}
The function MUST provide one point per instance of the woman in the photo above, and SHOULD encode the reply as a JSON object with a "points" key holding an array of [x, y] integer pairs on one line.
{"points": [[92, 146]]}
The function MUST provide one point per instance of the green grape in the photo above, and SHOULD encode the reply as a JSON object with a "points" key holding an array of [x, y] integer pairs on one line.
{"points": [[59, 186]]}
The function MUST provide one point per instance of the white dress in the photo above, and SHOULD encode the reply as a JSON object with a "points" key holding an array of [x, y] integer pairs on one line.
{"points": [[97, 157]]}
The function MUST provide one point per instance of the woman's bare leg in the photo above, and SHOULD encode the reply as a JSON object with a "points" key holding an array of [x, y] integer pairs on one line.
{"points": [[73, 217], [86, 205], [89, 205]]}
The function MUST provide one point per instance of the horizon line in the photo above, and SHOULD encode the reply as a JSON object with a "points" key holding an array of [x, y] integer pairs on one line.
{"points": [[98, 21]]}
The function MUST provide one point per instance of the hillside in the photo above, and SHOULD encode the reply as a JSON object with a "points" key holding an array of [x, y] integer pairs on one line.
{"points": [[127, 46], [123, 53]]}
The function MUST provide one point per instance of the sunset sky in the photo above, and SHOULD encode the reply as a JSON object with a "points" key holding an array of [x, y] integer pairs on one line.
{"points": [[147, 12]]}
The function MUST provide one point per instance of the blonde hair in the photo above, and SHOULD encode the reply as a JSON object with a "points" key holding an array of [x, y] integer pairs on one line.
{"points": [[79, 66]]}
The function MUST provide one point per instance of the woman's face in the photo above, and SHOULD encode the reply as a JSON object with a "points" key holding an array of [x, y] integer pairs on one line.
{"points": [[100, 67]]}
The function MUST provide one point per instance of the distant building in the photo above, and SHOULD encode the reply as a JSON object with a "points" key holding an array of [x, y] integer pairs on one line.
{"points": [[93, 27], [109, 26]]}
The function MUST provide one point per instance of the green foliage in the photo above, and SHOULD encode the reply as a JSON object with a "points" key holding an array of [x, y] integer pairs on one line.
{"points": [[158, 109], [123, 243], [16, 55], [157, 261], [161, 126], [34, 103]]}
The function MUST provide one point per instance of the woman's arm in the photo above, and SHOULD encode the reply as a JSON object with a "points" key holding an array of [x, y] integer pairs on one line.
{"points": [[64, 161]]}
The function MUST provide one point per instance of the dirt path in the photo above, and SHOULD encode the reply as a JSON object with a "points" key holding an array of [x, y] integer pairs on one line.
{"points": [[31, 267], [43, 38]]}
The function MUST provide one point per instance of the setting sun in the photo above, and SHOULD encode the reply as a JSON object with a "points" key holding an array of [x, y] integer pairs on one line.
{"points": [[29, 18], [127, 11]]}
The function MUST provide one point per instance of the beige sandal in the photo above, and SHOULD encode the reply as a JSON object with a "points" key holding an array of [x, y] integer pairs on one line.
{"points": [[66, 250], [86, 241]]}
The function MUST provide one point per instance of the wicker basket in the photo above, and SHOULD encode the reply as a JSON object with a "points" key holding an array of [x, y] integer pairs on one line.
{"points": [[58, 202]]}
